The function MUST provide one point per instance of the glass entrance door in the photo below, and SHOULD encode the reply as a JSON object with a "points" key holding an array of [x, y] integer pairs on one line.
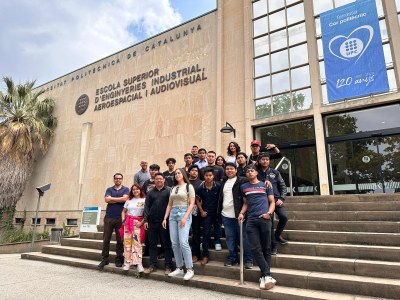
{"points": [[296, 140], [365, 166], [304, 170]]}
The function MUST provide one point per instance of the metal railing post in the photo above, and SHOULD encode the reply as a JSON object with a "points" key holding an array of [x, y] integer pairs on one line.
{"points": [[290, 178], [241, 253]]}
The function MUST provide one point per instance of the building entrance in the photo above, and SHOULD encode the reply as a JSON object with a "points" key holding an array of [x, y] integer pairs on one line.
{"points": [[366, 166], [364, 151], [296, 141]]}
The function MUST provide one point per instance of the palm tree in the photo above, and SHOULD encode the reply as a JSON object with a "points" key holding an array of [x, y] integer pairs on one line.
{"points": [[27, 127]]}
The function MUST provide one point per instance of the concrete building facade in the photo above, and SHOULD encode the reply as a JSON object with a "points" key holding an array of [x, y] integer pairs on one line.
{"points": [[258, 65]]}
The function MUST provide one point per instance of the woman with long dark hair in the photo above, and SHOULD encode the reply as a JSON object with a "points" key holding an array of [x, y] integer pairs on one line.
{"points": [[233, 150], [220, 161], [132, 218], [179, 211]]}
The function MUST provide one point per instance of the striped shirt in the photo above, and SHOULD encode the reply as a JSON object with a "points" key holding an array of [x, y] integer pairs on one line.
{"points": [[257, 198]]}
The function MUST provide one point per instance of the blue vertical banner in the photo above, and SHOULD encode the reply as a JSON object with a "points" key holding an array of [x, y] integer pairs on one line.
{"points": [[353, 52]]}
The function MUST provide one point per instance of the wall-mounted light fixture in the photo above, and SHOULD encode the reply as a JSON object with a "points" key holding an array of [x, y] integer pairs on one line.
{"points": [[228, 128]]}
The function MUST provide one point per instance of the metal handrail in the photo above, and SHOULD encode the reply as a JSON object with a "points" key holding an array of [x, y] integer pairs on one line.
{"points": [[290, 172], [241, 253]]}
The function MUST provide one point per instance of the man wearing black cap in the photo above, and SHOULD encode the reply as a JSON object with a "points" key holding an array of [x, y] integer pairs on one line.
{"points": [[267, 174]]}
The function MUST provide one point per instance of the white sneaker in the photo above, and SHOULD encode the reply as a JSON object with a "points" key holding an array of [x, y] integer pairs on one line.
{"points": [[262, 283], [269, 282], [218, 247], [177, 272], [189, 275], [140, 268], [126, 268]]}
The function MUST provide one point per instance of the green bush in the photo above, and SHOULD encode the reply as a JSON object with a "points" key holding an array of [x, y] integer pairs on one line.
{"points": [[15, 235]]}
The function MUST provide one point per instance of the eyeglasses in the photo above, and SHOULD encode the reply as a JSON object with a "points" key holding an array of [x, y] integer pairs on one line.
{"points": [[177, 189], [117, 178]]}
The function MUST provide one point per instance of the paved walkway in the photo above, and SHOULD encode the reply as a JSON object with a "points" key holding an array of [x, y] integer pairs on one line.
{"points": [[26, 279]]}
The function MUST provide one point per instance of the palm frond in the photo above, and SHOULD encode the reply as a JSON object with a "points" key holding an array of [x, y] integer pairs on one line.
{"points": [[26, 121]]}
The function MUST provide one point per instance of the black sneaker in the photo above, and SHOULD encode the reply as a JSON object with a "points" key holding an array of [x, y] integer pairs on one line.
{"points": [[119, 263], [248, 265], [228, 263], [102, 264], [274, 250], [281, 240]]}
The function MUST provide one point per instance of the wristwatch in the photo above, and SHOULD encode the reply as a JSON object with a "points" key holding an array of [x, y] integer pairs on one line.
{"points": [[270, 214]]}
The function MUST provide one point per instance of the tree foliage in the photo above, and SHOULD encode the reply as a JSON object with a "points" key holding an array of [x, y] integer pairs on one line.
{"points": [[282, 104], [27, 128]]}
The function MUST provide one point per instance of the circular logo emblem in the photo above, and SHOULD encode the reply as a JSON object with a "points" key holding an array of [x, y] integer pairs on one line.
{"points": [[351, 47], [82, 104], [285, 166], [366, 159]]}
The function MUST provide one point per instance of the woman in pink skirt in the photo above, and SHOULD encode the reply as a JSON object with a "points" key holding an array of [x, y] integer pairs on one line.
{"points": [[132, 218]]}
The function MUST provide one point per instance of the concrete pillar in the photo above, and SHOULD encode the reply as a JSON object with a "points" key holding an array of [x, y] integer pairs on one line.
{"points": [[392, 25], [85, 139], [316, 94]]}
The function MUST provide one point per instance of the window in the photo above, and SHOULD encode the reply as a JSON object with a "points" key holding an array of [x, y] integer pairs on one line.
{"points": [[279, 61], [379, 118], [50, 221], [287, 133], [280, 57], [263, 108], [261, 66], [260, 26], [261, 45], [19, 221], [38, 221], [262, 86], [72, 222], [259, 8], [297, 34]]}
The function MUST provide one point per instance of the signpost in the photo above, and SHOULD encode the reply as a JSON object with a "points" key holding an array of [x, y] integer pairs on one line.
{"points": [[90, 218]]}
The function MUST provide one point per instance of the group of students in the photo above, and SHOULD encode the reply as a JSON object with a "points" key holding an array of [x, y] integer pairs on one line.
{"points": [[199, 197]]}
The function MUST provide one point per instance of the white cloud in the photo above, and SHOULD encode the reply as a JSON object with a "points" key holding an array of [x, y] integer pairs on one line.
{"points": [[45, 39]]}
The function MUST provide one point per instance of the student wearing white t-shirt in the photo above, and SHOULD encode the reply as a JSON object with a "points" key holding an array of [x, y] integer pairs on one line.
{"points": [[230, 203], [132, 218]]}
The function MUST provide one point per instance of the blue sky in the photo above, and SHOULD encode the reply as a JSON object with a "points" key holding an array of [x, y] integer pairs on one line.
{"points": [[45, 39]]}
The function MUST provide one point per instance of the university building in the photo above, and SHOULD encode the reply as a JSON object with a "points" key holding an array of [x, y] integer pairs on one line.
{"points": [[258, 65]]}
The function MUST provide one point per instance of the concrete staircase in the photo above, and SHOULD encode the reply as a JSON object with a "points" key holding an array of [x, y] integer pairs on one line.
{"points": [[341, 247]]}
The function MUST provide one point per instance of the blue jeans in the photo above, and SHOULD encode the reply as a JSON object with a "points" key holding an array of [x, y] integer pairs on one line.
{"points": [[180, 236], [209, 222], [232, 234]]}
